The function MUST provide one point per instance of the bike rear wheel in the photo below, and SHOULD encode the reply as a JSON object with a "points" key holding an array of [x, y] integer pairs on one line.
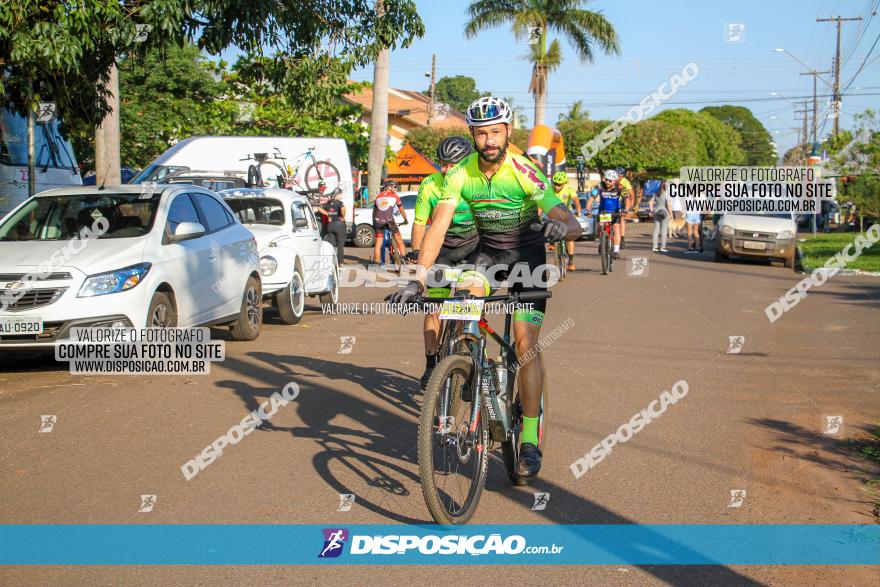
{"points": [[452, 460], [321, 171], [561, 260]]}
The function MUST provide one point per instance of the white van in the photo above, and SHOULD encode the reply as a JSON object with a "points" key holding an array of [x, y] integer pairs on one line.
{"points": [[305, 159], [56, 163]]}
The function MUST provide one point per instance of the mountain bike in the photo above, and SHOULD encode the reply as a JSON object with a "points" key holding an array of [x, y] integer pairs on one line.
{"points": [[470, 403], [319, 179], [606, 240], [562, 259]]}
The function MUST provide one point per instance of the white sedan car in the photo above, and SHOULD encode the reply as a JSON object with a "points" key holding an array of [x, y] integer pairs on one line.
{"points": [[130, 256], [294, 260], [363, 235]]}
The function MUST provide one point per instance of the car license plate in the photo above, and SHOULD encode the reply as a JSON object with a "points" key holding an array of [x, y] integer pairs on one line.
{"points": [[461, 309], [14, 326], [754, 245], [604, 217]]}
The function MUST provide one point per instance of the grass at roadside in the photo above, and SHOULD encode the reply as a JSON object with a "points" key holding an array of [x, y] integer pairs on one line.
{"points": [[869, 448], [818, 249]]}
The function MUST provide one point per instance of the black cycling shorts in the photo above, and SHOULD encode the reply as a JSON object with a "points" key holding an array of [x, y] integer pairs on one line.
{"points": [[531, 275], [380, 227], [452, 256]]}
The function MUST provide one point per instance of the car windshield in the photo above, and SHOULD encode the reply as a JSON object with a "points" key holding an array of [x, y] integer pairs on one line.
{"points": [[257, 210], [63, 217], [158, 173]]}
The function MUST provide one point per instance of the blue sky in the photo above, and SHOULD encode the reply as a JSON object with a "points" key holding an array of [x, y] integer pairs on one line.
{"points": [[657, 39]]}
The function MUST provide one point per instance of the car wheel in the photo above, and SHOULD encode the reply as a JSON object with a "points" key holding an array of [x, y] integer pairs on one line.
{"points": [[291, 300], [364, 236], [250, 317], [332, 296], [161, 312], [788, 262], [720, 257]]}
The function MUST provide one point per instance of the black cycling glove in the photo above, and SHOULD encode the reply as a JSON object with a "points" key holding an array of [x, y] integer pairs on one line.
{"points": [[407, 293], [412, 257], [554, 230]]}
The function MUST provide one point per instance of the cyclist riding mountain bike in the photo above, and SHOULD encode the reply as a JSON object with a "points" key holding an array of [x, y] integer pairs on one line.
{"points": [[383, 217], [568, 196], [461, 237], [506, 194], [627, 202], [610, 193]]}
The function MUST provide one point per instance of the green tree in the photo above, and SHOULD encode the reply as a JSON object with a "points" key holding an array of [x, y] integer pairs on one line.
{"points": [[718, 142], [457, 91], [62, 51], [577, 132], [755, 141], [576, 113], [651, 147], [584, 30]]}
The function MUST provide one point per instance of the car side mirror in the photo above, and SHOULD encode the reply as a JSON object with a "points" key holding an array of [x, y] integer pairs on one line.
{"points": [[300, 223], [187, 231]]}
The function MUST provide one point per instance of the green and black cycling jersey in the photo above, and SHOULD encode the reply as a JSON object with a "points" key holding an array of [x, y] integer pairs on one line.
{"points": [[505, 206], [462, 230]]}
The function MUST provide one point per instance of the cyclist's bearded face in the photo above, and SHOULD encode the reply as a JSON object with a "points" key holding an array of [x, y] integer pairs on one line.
{"points": [[491, 141]]}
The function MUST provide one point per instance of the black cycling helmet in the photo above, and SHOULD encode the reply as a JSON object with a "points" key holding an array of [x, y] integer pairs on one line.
{"points": [[453, 149], [389, 184], [621, 171]]}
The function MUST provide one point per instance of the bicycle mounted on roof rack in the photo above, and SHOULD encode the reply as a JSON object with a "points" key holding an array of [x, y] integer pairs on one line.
{"points": [[316, 178]]}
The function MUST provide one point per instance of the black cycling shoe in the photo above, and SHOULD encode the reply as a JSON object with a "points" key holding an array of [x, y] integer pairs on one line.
{"points": [[426, 376], [615, 255], [529, 460]]}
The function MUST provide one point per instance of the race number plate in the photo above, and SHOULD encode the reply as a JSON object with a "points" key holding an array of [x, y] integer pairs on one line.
{"points": [[604, 217], [754, 245], [461, 310], [14, 326]]}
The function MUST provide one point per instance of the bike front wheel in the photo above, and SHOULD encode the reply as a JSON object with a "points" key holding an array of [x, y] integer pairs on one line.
{"points": [[605, 252], [453, 459]]}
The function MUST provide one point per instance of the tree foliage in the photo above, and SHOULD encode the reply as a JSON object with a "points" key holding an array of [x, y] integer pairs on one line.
{"points": [[457, 91], [426, 139], [718, 143], [170, 95], [62, 51], [755, 141]]}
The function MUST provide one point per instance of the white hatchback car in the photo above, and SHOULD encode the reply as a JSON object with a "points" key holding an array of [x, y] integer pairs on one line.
{"points": [[294, 260], [129, 256]]}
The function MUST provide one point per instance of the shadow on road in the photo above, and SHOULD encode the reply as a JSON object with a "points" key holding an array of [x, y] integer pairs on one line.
{"points": [[379, 447]]}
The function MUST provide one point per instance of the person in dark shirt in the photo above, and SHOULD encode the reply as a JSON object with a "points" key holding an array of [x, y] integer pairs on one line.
{"points": [[334, 212]]}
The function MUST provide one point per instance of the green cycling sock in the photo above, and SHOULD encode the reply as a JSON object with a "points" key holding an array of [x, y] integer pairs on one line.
{"points": [[529, 431]]}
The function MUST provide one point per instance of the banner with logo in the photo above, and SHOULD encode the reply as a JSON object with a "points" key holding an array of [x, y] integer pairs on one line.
{"points": [[630, 544]]}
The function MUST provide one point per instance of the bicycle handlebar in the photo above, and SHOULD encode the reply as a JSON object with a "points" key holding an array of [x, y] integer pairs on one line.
{"points": [[522, 296]]}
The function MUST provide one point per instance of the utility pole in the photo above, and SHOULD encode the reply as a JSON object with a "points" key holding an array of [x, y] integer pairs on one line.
{"points": [[431, 108], [837, 100], [803, 130], [107, 161], [815, 75], [378, 117]]}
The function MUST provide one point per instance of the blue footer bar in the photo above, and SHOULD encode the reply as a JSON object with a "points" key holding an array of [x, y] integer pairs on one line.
{"points": [[162, 544]]}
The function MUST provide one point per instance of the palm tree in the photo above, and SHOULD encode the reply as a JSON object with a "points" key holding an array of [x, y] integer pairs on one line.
{"points": [[576, 113], [583, 28]]}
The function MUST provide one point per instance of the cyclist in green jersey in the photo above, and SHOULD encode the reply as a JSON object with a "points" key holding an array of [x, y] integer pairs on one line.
{"points": [[570, 198], [506, 194], [461, 238]]}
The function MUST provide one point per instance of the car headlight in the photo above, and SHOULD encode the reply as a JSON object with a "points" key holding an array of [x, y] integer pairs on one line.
{"points": [[727, 230], [785, 234], [268, 265], [114, 281]]}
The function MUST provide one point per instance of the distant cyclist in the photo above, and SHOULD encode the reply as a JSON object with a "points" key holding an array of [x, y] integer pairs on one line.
{"points": [[627, 202], [383, 218], [610, 196], [461, 237], [568, 196], [506, 194]]}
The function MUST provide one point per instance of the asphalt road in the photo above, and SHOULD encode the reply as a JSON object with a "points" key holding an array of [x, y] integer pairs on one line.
{"points": [[751, 421]]}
